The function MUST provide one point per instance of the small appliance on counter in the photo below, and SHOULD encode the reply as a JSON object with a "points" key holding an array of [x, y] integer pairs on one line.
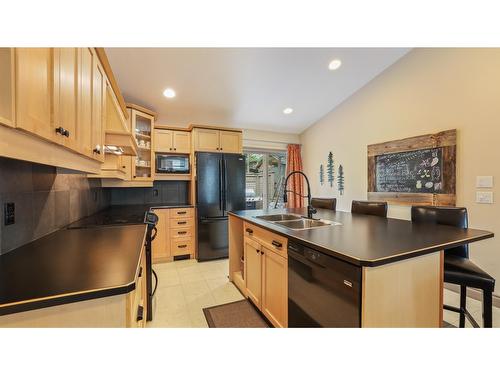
{"points": [[172, 163], [220, 187]]}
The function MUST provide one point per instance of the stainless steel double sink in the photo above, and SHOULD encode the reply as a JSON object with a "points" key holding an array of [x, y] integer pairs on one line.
{"points": [[296, 222]]}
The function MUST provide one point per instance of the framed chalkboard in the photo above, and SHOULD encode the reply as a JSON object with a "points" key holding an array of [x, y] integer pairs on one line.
{"points": [[416, 170], [410, 171]]}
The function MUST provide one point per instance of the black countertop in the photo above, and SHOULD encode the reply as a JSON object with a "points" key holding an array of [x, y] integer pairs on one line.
{"points": [[70, 266], [119, 215], [366, 240]]}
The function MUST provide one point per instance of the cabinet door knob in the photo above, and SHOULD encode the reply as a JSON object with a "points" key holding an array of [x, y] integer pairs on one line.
{"points": [[170, 149], [140, 313], [175, 149], [249, 231], [66, 133], [60, 130], [257, 251]]}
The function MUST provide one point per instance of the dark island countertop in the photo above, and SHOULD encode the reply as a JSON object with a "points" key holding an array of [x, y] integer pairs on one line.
{"points": [[366, 240], [69, 266], [120, 215]]}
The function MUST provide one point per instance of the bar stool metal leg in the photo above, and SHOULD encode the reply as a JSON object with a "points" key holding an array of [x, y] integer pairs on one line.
{"points": [[463, 304], [487, 309]]}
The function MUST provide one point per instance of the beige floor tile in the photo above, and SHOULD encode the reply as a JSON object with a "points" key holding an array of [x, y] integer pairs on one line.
{"points": [[169, 299], [168, 277], [185, 263], [179, 319], [198, 318], [190, 274]]}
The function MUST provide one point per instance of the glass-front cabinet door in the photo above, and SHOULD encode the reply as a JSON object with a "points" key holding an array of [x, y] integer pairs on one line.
{"points": [[143, 163]]}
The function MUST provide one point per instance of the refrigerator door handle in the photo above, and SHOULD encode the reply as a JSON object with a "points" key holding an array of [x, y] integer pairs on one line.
{"points": [[225, 188], [221, 207]]}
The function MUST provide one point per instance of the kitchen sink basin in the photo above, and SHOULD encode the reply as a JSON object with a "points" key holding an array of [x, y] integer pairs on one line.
{"points": [[279, 217], [303, 224]]}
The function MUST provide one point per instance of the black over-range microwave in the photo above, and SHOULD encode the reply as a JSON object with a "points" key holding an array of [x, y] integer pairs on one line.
{"points": [[172, 163]]}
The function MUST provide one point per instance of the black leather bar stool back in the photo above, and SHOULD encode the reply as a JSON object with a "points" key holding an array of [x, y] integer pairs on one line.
{"points": [[369, 208], [327, 203], [458, 269]]}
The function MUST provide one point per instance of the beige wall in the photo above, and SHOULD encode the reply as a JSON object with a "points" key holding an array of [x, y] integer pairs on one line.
{"points": [[428, 90], [258, 139]]}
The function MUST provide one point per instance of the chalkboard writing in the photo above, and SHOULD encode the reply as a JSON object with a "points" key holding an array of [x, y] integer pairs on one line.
{"points": [[417, 171]]}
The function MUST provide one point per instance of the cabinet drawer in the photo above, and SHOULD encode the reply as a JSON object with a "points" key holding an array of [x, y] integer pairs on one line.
{"points": [[182, 222], [273, 241], [181, 246], [181, 212], [187, 232]]}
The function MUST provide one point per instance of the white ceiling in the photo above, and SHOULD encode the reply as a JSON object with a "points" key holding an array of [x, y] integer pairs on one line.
{"points": [[245, 87]]}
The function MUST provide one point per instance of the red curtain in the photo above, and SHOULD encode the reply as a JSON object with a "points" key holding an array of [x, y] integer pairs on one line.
{"points": [[295, 183]]}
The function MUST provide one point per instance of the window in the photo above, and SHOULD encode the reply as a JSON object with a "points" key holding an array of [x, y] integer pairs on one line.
{"points": [[265, 176]]}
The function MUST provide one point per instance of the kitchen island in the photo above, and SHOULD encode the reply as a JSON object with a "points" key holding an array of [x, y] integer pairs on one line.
{"points": [[390, 270]]}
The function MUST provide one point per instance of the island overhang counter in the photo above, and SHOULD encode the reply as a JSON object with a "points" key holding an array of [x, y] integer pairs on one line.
{"points": [[400, 262]]}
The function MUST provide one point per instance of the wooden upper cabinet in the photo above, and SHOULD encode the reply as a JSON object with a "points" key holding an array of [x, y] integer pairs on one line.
{"points": [[182, 142], [98, 110], [34, 89], [172, 141], [164, 140], [274, 287], [230, 142], [85, 116], [253, 271], [213, 140], [206, 140], [66, 96], [7, 79]]}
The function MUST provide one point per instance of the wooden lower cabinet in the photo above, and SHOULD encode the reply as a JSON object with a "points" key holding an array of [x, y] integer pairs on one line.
{"points": [[274, 288], [266, 279], [253, 271], [175, 234]]}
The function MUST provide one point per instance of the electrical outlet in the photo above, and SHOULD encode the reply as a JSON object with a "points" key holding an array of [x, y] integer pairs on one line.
{"points": [[9, 213], [484, 197]]}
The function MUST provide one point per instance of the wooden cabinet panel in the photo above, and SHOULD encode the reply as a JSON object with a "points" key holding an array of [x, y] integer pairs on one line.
{"points": [[84, 128], [275, 287], [98, 110], [181, 246], [128, 167], [273, 241], [34, 91], [253, 271], [178, 213], [7, 79], [230, 142], [182, 222], [161, 244], [206, 140], [66, 94], [182, 142], [163, 140], [182, 232]]}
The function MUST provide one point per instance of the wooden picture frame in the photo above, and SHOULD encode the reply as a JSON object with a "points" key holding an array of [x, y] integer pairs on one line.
{"points": [[446, 140]]}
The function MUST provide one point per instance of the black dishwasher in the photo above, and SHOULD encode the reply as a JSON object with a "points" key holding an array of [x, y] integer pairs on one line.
{"points": [[322, 290]]}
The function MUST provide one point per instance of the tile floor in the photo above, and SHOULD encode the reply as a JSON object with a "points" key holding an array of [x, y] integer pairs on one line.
{"points": [[186, 287]]}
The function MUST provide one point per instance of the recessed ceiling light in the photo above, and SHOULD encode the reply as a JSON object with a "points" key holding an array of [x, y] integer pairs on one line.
{"points": [[287, 111], [334, 64], [169, 93]]}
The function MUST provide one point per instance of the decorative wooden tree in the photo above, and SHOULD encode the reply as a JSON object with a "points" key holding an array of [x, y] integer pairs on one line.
{"points": [[321, 175], [330, 169], [340, 180]]}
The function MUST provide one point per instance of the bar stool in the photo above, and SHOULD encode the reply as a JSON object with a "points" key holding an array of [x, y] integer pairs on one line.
{"points": [[327, 203], [458, 269], [369, 208]]}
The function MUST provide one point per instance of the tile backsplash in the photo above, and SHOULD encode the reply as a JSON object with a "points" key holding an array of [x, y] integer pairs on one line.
{"points": [[46, 198], [162, 192]]}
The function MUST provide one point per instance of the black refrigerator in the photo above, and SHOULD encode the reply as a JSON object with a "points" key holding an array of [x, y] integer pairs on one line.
{"points": [[220, 187]]}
